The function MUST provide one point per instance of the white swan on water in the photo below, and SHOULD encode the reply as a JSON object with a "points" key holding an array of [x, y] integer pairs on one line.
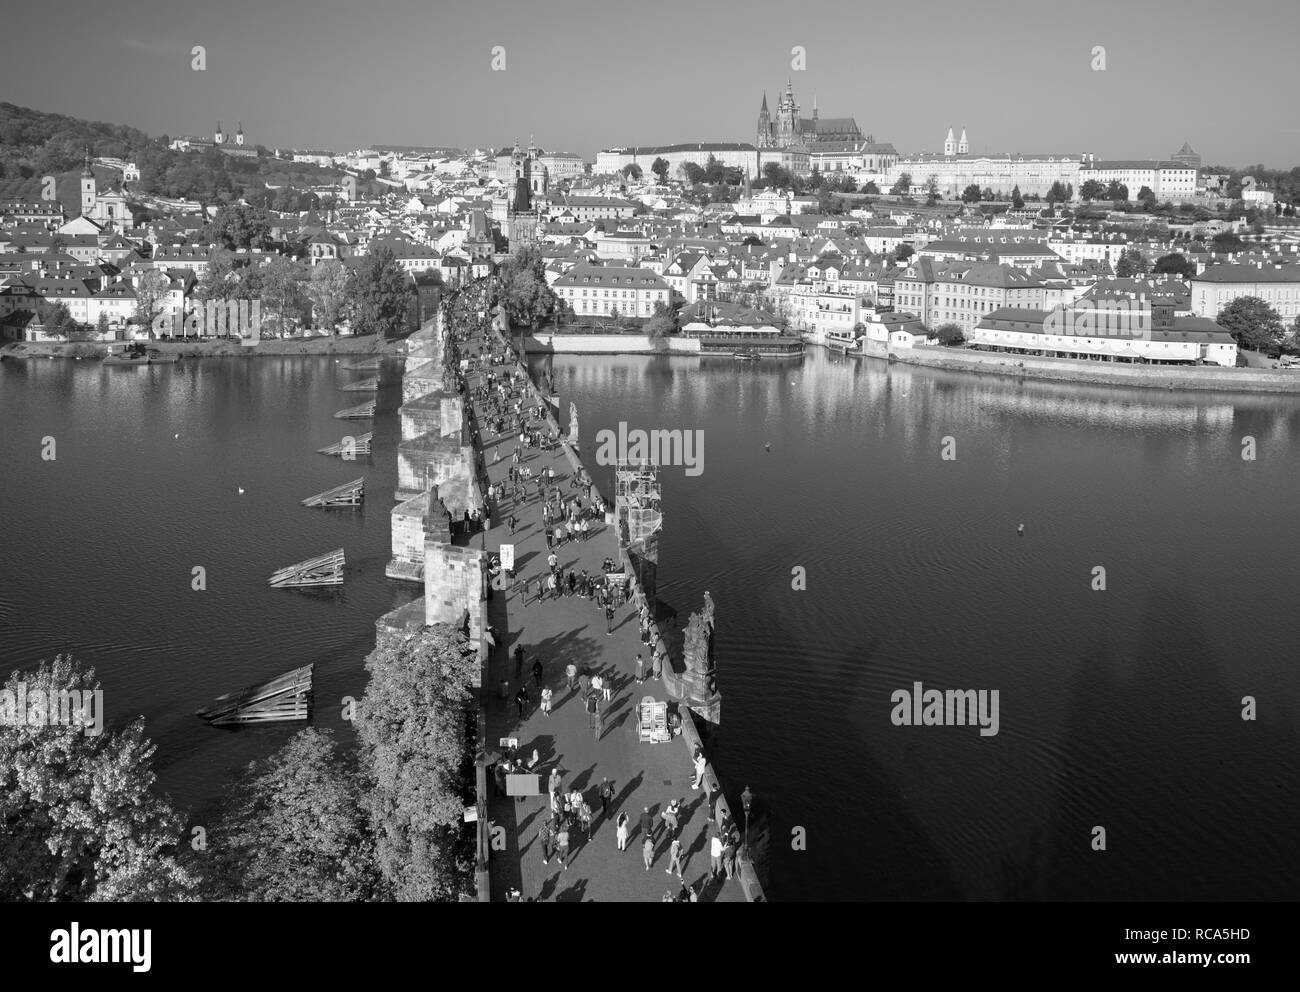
{"points": [[241, 490]]}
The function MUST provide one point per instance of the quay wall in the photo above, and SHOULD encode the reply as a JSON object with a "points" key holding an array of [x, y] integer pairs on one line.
{"points": [[608, 344], [1202, 377]]}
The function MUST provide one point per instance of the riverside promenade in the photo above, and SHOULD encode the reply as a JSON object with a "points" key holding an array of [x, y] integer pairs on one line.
{"points": [[567, 630]]}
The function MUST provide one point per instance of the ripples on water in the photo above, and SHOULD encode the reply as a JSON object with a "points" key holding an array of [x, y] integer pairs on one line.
{"points": [[1118, 708]]}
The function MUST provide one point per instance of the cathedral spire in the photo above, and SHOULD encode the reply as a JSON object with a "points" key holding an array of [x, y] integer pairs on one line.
{"points": [[763, 108]]}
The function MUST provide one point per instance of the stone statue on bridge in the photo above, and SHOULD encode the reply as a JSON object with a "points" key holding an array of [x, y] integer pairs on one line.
{"points": [[698, 649], [573, 425]]}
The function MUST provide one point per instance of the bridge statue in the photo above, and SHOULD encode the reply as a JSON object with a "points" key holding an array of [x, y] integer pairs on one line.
{"points": [[573, 425], [698, 649]]}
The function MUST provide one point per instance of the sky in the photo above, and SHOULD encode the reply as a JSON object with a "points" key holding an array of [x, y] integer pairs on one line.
{"points": [[581, 75]]}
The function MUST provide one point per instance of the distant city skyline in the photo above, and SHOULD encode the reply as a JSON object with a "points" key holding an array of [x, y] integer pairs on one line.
{"points": [[580, 76]]}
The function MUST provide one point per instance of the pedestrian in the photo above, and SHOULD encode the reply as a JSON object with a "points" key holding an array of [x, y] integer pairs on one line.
{"points": [[584, 817], [537, 669], [584, 680], [700, 764], [729, 854], [598, 686], [647, 823], [547, 837], [620, 831], [546, 700], [499, 777], [593, 711], [675, 857], [559, 535], [521, 700], [554, 782], [550, 539], [552, 587], [519, 662], [606, 797], [607, 683], [670, 817], [657, 670], [609, 619], [571, 671], [553, 561], [715, 852], [648, 853], [640, 669], [562, 842], [573, 583], [512, 522]]}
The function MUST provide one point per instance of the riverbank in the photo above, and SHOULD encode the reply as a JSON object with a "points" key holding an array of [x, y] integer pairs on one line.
{"points": [[366, 345], [1181, 377]]}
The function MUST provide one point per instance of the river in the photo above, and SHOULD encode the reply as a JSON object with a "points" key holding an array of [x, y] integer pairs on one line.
{"points": [[1119, 709]]}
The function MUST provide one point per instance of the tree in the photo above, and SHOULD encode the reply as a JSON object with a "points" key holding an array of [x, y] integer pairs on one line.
{"points": [[903, 252], [870, 187], [1059, 193], [101, 325], [950, 334], [1252, 323], [663, 322], [239, 227], [80, 818], [523, 290], [1175, 263], [660, 168], [377, 295], [1147, 198], [692, 172], [1116, 190], [413, 751], [971, 194], [55, 318], [327, 289], [1227, 242], [294, 828], [1017, 201], [1092, 189], [151, 291], [282, 292], [220, 281], [631, 171], [903, 185], [1131, 263]]}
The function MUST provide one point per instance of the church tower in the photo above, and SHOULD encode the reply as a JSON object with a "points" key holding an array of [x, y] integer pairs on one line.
{"points": [[963, 146], [949, 144], [87, 188], [239, 135], [219, 138], [764, 125], [787, 119]]}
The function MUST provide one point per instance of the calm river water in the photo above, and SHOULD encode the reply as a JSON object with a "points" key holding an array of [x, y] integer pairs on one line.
{"points": [[1118, 708]]}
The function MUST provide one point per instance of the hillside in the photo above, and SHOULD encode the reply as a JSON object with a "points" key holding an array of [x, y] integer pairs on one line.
{"points": [[35, 143]]}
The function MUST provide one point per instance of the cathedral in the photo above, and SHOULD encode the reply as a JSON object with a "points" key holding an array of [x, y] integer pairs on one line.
{"points": [[789, 130]]}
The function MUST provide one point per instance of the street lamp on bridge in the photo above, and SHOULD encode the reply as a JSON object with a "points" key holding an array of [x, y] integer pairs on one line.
{"points": [[746, 800]]}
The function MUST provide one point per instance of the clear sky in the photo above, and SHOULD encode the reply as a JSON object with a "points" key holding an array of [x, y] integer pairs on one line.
{"points": [[581, 75]]}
